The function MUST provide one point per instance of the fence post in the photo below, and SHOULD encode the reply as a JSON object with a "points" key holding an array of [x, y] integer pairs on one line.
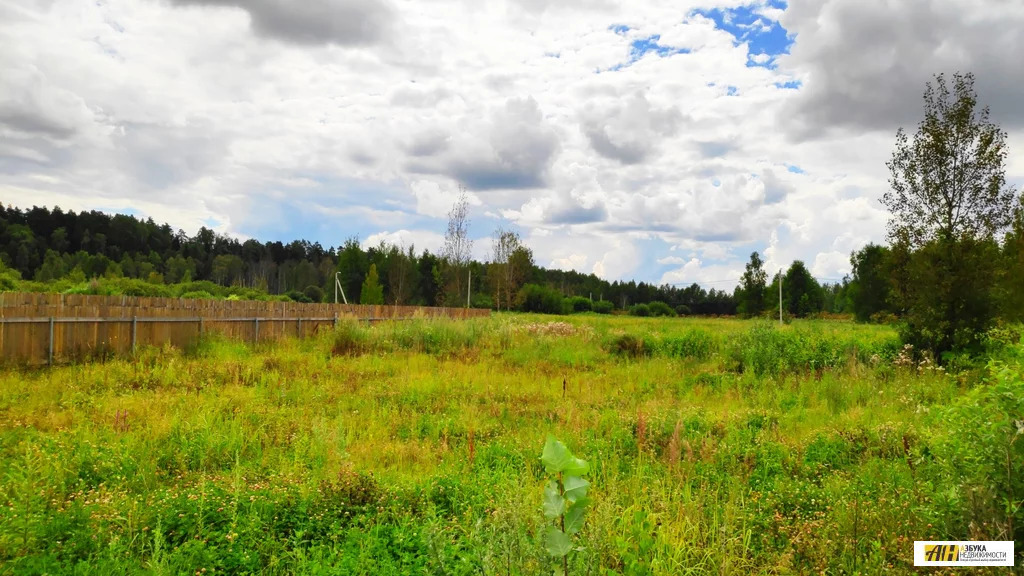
{"points": [[200, 326], [335, 320], [49, 353], [298, 327], [135, 320], [256, 338]]}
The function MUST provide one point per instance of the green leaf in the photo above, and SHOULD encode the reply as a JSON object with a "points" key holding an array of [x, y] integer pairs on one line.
{"points": [[575, 488], [554, 504], [577, 467], [557, 542], [574, 516], [557, 458]]}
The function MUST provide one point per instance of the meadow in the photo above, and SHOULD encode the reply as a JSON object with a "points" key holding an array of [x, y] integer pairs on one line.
{"points": [[715, 446]]}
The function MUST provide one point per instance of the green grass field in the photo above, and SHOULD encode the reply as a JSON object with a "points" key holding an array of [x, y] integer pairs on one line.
{"points": [[715, 447]]}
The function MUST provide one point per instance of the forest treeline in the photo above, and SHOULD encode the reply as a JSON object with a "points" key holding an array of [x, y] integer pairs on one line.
{"points": [[46, 249]]}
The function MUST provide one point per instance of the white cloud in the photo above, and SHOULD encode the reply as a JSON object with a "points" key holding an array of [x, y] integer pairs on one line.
{"points": [[304, 126]]}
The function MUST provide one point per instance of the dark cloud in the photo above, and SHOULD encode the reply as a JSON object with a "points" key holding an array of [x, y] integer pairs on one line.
{"points": [[627, 152], [631, 131], [572, 212], [341, 22], [33, 122], [428, 143], [714, 149], [775, 190], [516, 151], [165, 157], [866, 61]]}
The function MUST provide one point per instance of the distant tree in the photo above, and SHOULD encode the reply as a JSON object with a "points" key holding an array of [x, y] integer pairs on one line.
{"points": [[870, 288], [801, 293], [372, 292], [353, 266], [457, 251], [948, 202], [752, 287], [511, 261]]}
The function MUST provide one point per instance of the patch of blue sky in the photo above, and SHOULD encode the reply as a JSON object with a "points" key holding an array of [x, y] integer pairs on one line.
{"points": [[731, 91], [794, 169], [766, 39], [640, 47], [335, 210], [789, 85]]}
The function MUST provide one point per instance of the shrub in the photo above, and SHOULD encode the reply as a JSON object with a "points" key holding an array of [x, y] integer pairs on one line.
{"points": [[984, 454], [603, 307], [198, 286], [697, 344], [481, 300], [683, 310], [350, 339], [580, 304], [197, 294], [640, 310], [660, 309], [627, 345], [534, 298], [314, 293], [296, 296]]}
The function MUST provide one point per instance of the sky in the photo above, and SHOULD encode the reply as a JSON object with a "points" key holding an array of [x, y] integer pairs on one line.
{"points": [[661, 141]]}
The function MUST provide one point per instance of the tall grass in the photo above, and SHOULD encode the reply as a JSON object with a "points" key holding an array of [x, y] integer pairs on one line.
{"points": [[717, 446]]}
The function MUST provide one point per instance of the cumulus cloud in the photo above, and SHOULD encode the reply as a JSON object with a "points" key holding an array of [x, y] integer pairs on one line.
{"points": [[623, 139], [864, 63], [514, 150], [342, 22], [629, 132]]}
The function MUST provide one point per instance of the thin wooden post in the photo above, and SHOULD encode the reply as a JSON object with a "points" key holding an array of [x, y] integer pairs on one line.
{"points": [[135, 321], [49, 354], [257, 337], [200, 326], [298, 327]]}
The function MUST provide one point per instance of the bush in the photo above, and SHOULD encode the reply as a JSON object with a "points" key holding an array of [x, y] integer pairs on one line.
{"points": [[660, 309], [296, 296], [697, 344], [627, 345], [314, 293], [984, 455], [603, 307], [198, 294], [639, 310], [481, 300], [580, 304], [683, 310], [350, 339], [534, 298], [198, 286]]}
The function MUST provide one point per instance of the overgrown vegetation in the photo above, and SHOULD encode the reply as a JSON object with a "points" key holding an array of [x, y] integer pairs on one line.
{"points": [[715, 446]]}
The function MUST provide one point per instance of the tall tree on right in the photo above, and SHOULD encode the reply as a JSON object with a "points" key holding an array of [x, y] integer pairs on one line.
{"points": [[948, 203]]}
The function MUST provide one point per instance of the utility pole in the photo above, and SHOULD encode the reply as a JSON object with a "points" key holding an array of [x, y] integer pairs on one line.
{"points": [[780, 296], [337, 286], [469, 287]]}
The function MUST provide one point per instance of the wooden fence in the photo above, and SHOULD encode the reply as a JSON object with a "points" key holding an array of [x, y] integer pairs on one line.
{"points": [[46, 328]]}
